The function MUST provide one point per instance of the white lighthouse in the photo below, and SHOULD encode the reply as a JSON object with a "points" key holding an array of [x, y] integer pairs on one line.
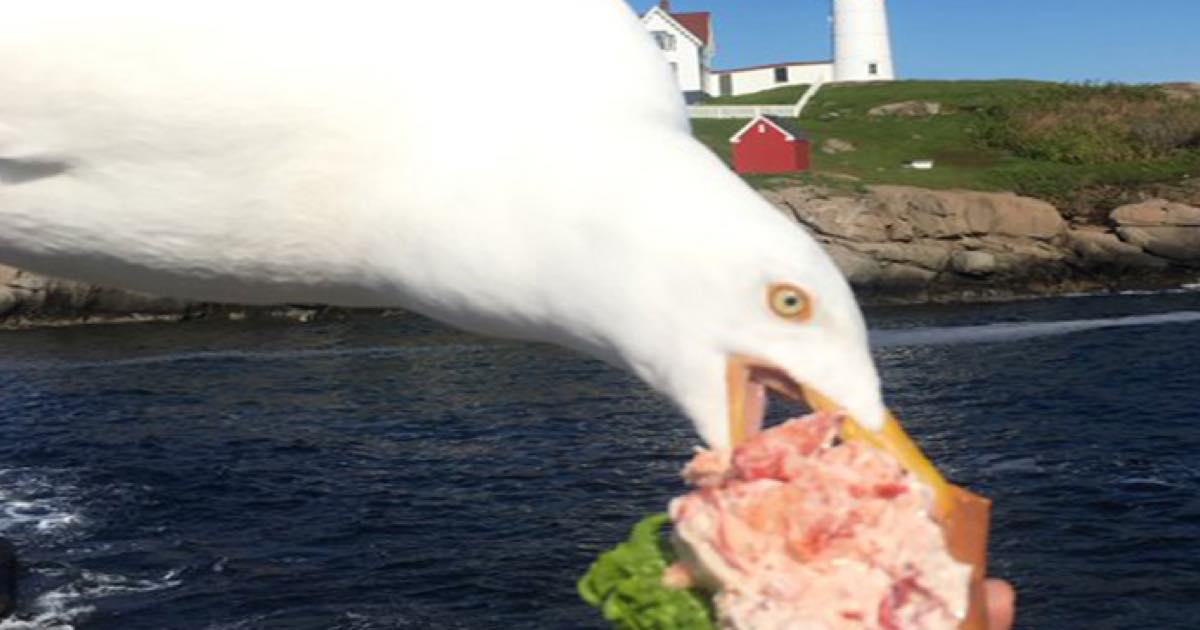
{"points": [[862, 46]]}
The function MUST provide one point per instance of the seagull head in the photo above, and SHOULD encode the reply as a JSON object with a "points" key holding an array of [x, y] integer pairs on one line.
{"points": [[698, 285], [645, 250], [690, 279], [761, 311]]}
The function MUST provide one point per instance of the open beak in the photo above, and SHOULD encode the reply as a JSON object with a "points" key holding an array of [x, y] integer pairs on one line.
{"points": [[748, 381]]}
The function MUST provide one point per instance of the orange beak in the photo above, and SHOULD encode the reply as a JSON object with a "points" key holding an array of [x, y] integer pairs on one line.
{"points": [[748, 381]]}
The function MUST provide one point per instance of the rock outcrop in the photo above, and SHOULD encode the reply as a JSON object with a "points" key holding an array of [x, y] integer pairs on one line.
{"points": [[894, 243], [837, 145], [1102, 251], [1162, 228], [30, 299], [911, 109], [905, 243], [8, 578], [25, 295]]}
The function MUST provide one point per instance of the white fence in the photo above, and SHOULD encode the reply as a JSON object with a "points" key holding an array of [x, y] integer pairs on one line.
{"points": [[752, 111], [808, 96], [739, 111]]}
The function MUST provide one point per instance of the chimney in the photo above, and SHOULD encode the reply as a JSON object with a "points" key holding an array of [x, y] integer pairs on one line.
{"points": [[665, 5]]}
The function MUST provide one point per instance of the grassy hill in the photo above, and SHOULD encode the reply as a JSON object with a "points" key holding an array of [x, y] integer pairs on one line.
{"points": [[787, 95], [1077, 145]]}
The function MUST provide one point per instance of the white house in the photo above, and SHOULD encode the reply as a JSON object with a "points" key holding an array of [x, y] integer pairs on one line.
{"points": [[687, 42], [862, 52], [758, 78]]}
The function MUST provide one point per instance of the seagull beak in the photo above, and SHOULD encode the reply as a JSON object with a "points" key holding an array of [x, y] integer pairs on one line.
{"points": [[748, 380]]}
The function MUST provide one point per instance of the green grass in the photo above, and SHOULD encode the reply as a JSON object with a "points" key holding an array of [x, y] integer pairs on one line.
{"points": [[787, 95], [860, 97], [959, 141], [1096, 124]]}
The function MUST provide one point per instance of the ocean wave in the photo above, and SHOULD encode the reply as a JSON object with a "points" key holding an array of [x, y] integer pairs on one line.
{"points": [[1018, 465], [1018, 331], [250, 356], [65, 606], [33, 503], [44, 507], [1148, 481], [53, 619], [1189, 287]]}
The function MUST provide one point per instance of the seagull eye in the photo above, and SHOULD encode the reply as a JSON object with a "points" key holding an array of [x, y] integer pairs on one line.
{"points": [[790, 302]]}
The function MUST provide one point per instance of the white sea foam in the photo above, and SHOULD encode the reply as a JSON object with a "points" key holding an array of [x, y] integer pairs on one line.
{"points": [[36, 504], [63, 618], [52, 611], [32, 502], [1147, 481], [1019, 465], [64, 607], [1189, 287], [1018, 331]]}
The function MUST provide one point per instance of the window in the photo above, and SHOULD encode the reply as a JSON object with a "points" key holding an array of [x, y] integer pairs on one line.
{"points": [[781, 75], [665, 40], [674, 69], [726, 85], [762, 128], [873, 69]]}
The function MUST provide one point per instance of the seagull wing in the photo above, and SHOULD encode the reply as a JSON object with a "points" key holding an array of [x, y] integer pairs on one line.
{"points": [[257, 152]]}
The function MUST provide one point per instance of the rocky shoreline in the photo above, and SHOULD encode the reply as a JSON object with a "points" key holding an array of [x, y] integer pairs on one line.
{"points": [[900, 244], [30, 300], [8, 578], [896, 244]]}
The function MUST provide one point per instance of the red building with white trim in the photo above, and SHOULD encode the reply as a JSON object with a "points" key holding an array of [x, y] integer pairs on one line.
{"points": [[770, 144]]}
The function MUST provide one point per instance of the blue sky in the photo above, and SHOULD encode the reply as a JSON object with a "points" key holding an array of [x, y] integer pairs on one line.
{"points": [[1065, 40]]}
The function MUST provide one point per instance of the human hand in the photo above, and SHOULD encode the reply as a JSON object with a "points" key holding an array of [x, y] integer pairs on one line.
{"points": [[1001, 604]]}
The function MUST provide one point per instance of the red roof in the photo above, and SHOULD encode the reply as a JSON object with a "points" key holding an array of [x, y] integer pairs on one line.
{"points": [[700, 24]]}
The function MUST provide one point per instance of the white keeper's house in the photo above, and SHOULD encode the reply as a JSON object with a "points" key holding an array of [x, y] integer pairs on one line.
{"points": [[686, 40], [862, 52]]}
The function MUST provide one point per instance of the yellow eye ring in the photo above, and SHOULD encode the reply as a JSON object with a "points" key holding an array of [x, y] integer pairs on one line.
{"points": [[790, 302]]}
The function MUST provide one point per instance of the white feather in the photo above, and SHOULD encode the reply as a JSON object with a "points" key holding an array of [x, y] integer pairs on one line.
{"points": [[519, 168]]}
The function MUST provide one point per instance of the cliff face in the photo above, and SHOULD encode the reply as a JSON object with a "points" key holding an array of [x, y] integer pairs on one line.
{"points": [[31, 298], [28, 299], [898, 243], [894, 243]]}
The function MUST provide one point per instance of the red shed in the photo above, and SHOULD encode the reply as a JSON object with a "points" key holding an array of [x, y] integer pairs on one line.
{"points": [[769, 144]]}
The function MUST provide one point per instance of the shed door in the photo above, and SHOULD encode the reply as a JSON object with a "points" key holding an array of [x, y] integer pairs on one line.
{"points": [[726, 85]]}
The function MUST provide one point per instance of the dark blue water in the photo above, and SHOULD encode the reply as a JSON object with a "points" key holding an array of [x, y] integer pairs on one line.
{"points": [[393, 474]]}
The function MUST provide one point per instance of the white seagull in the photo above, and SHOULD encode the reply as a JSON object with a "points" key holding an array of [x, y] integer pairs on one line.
{"points": [[519, 168]]}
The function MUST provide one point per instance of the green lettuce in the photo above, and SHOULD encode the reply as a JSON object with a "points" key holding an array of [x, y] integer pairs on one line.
{"points": [[625, 583]]}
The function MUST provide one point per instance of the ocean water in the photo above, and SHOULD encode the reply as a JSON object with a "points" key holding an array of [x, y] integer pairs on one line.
{"points": [[395, 474]]}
